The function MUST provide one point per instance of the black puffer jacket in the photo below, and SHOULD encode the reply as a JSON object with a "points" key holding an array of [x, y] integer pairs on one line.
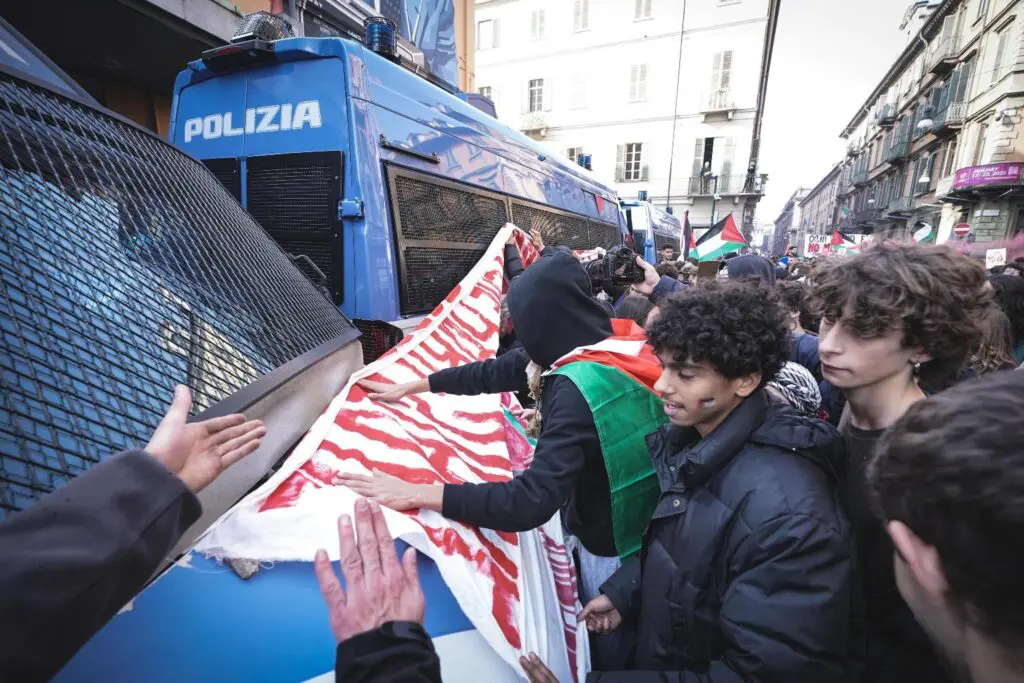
{"points": [[747, 570]]}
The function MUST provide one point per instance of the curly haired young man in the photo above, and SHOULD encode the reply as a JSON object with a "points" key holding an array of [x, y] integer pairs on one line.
{"points": [[747, 568], [892, 318]]}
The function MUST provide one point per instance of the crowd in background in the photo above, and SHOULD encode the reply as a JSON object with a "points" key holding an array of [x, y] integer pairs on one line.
{"points": [[838, 483]]}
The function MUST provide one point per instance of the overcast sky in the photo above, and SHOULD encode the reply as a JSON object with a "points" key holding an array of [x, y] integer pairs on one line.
{"points": [[829, 55]]}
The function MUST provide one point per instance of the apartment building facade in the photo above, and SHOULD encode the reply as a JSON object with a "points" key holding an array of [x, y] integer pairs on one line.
{"points": [[788, 231], [665, 96], [937, 143]]}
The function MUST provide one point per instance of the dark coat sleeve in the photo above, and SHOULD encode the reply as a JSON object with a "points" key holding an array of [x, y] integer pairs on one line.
{"points": [[791, 572], [528, 501], [378, 657], [505, 373], [72, 560], [513, 262], [623, 589]]}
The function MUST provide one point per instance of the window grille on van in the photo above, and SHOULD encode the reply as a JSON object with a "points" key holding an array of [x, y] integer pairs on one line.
{"points": [[662, 241], [441, 229], [227, 172], [558, 229], [295, 198], [125, 269], [603, 234]]}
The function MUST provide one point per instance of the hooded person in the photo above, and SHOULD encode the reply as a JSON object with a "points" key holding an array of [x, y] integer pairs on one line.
{"points": [[750, 267], [595, 406]]}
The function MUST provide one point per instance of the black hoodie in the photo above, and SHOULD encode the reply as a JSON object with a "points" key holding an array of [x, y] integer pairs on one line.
{"points": [[751, 266], [553, 312]]}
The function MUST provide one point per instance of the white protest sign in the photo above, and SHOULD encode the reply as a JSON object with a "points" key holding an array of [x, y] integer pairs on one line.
{"points": [[995, 257], [817, 245]]}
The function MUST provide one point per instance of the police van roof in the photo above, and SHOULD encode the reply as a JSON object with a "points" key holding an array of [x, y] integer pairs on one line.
{"points": [[376, 72]]}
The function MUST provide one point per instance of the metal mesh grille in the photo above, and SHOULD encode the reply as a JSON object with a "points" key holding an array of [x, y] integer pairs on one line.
{"points": [[441, 213], [436, 273], [662, 241], [293, 192], [557, 229], [226, 171], [604, 234], [295, 198], [442, 231], [378, 338], [124, 269]]}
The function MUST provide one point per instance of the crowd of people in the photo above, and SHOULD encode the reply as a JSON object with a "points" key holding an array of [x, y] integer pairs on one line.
{"points": [[835, 483]]}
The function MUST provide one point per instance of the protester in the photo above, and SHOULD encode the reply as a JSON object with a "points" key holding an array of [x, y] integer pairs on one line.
{"points": [[891, 316], [688, 273], [377, 618], [668, 254], [995, 350], [747, 567], [751, 267], [635, 308], [77, 556], [796, 386], [667, 269], [949, 480], [554, 313], [1009, 292]]}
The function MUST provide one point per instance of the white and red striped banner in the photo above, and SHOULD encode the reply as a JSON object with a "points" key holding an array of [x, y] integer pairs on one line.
{"points": [[518, 590]]}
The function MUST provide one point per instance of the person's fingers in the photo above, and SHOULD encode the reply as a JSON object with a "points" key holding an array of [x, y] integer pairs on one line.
{"points": [[350, 478], [412, 573], [245, 448], [351, 561], [180, 406], [385, 544], [226, 431], [330, 587], [367, 540], [217, 425], [592, 608]]}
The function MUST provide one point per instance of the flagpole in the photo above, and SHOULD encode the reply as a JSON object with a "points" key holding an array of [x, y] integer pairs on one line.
{"points": [[675, 109]]}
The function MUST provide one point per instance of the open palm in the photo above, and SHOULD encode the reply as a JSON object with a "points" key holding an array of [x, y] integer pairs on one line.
{"points": [[200, 451]]}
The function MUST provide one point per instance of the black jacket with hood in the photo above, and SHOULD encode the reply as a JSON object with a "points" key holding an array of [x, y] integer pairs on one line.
{"points": [[747, 568], [553, 312]]}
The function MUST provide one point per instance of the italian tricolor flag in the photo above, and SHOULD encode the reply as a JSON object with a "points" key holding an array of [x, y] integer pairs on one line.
{"points": [[722, 238]]}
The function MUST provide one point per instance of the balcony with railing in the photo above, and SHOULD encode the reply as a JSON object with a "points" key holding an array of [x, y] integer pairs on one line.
{"points": [[718, 102], [733, 185], [867, 216], [901, 206], [897, 151], [859, 176], [953, 116], [942, 57], [887, 115]]}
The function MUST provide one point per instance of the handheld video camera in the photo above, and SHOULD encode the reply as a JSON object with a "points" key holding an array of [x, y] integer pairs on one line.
{"points": [[618, 267]]}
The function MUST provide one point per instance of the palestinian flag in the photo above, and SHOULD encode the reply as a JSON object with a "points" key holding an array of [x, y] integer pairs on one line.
{"points": [[925, 234], [722, 238], [841, 245]]}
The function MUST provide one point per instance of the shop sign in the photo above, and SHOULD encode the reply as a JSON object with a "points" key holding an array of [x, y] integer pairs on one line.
{"points": [[990, 174]]}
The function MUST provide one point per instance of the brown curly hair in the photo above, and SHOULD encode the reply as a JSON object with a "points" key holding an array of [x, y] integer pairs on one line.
{"points": [[934, 295]]}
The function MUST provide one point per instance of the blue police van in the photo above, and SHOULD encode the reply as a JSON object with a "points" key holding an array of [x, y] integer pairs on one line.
{"points": [[651, 228], [383, 184]]}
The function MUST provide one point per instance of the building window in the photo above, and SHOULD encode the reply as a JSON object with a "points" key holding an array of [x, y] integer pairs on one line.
{"points": [[536, 95], [574, 154], [487, 34], [485, 90], [949, 162], [629, 163], [638, 83], [642, 9], [982, 9], [578, 91], [581, 15], [979, 145], [537, 24], [721, 71], [1003, 36]]}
